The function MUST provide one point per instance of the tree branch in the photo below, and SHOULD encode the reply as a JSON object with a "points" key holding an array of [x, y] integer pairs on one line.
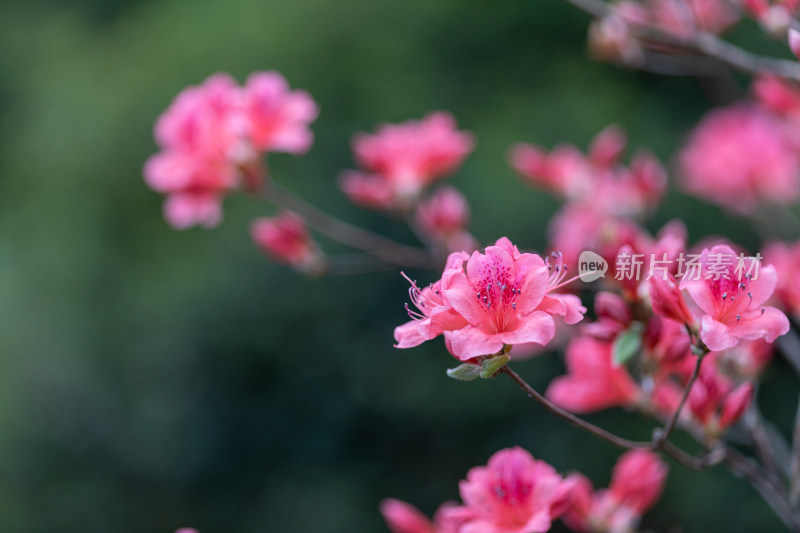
{"points": [[361, 239], [703, 42]]}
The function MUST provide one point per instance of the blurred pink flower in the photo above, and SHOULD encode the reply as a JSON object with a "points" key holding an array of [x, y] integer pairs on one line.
{"points": [[714, 402], [277, 118], [210, 138], [402, 159], [613, 317], [592, 382], [731, 298], [402, 517], [786, 260], [201, 141], [739, 157], [636, 484], [285, 239], [445, 217], [597, 179], [513, 493]]}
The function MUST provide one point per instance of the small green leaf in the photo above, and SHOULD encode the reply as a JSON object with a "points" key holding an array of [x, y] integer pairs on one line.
{"points": [[489, 367], [465, 372], [627, 344]]}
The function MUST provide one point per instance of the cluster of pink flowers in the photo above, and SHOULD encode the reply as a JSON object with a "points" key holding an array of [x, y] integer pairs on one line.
{"points": [[724, 308], [399, 160], [490, 300], [211, 137], [515, 493], [740, 157], [601, 194]]}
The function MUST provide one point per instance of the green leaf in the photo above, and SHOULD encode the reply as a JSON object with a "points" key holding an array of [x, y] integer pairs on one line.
{"points": [[465, 372], [627, 344], [489, 367]]}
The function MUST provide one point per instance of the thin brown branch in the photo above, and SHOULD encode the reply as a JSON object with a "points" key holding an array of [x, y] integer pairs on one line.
{"points": [[662, 435], [343, 232], [578, 422], [761, 442], [769, 490]]}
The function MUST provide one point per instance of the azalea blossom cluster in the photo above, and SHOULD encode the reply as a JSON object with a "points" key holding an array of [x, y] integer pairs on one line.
{"points": [[515, 493], [211, 137], [684, 350]]}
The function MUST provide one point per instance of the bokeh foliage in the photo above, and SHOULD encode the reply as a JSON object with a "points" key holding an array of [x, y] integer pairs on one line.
{"points": [[151, 379]]}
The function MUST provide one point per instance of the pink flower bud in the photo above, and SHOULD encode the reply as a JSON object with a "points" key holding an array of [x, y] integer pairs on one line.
{"points": [[667, 300], [402, 517], [444, 214], [285, 239], [736, 404], [777, 94], [756, 8]]}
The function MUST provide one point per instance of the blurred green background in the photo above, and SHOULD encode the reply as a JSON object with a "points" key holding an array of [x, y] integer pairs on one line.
{"points": [[152, 379]]}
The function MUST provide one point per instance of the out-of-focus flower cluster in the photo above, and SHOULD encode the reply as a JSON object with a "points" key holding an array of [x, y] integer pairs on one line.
{"points": [[515, 493], [211, 138]]}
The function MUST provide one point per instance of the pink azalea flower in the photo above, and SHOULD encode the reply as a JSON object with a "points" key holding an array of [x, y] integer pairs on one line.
{"points": [[786, 260], [490, 300], [592, 382], [285, 239], [777, 94], [405, 518], [200, 140], [401, 159], [613, 317], [513, 493], [739, 157], [597, 179], [667, 344], [433, 315], [562, 171], [667, 300], [507, 298], [636, 484], [445, 216], [732, 299], [277, 118], [714, 402], [210, 138]]}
